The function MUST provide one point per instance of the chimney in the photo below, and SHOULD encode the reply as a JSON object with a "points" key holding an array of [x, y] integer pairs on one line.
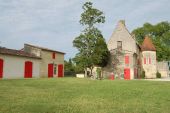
{"points": [[121, 23]]}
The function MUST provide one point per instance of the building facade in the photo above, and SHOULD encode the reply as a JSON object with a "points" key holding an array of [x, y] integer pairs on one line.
{"points": [[18, 64], [128, 58], [52, 62], [31, 62]]}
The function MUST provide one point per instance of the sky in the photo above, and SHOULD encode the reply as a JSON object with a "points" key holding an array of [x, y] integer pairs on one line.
{"points": [[55, 23]]}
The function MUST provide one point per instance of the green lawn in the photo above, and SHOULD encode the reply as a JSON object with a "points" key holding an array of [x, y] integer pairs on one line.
{"points": [[72, 95]]}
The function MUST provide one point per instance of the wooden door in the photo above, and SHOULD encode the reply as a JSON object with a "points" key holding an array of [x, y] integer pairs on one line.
{"points": [[28, 69], [50, 70], [1, 68], [127, 74], [60, 70]]}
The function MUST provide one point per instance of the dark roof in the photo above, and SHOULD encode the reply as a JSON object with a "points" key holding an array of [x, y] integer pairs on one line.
{"points": [[46, 49], [14, 52], [147, 45]]}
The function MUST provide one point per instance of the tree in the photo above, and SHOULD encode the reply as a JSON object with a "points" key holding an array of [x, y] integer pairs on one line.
{"points": [[90, 43], [160, 34], [69, 67]]}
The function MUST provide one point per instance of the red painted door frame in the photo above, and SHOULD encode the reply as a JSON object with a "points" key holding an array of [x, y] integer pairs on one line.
{"points": [[1, 68], [28, 69], [50, 70], [60, 70], [127, 74]]}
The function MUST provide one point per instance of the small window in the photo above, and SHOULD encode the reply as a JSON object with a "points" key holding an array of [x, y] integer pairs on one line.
{"points": [[149, 60], [53, 55], [55, 69], [126, 59], [119, 45], [144, 60]]}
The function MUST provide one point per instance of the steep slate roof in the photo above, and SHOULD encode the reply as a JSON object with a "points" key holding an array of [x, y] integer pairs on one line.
{"points": [[46, 49], [14, 52], [147, 45]]}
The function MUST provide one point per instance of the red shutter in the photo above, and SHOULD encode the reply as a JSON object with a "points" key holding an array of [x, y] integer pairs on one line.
{"points": [[53, 55], [126, 59], [144, 60], [1, 68]]}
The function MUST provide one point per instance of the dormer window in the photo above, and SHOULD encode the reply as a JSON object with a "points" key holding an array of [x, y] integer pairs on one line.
{"points": [[119, 45]]}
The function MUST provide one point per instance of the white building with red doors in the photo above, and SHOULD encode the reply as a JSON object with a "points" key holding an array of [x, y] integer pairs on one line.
{"points": [[18, 64], [31, 62]]}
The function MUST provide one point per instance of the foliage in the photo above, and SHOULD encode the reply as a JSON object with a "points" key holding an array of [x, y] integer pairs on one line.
{"points": [[98, 71], [160, 34], [143, 74], [69, 68], [158, 75], [68, 65], [73, 95], [116, 57], [90, 43]]}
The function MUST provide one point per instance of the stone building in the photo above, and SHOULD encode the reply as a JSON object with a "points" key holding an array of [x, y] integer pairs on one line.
{"points": [[148, 58], [128, 58], [52, 62], [31, 62]]}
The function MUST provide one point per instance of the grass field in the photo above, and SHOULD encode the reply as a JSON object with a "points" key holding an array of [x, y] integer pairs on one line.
{"points": [[72, 95]]}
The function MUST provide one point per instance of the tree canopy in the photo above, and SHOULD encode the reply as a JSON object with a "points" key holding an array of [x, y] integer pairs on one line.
{"points": [[160, 35], [90, 43]]}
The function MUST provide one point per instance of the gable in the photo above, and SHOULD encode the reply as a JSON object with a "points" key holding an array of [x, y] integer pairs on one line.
{"points": [[122, 34]]}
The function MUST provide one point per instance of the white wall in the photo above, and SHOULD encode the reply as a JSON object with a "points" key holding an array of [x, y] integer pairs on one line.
{"points": [[14, 66], [150, 69]]}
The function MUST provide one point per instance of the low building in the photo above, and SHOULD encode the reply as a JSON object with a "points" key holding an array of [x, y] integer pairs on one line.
{"points": [[18, 64], [52, 62], [31, 61], [163, 68]]}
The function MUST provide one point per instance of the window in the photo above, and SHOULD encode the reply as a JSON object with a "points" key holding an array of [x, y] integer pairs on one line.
{"points": [[119, 45], [126, 59], [149, 60], [53, 55], [144, 60], [55, 69]]}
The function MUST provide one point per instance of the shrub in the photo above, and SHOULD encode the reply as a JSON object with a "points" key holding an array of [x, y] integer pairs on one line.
{"points": [[143, 74], [158, 75]]}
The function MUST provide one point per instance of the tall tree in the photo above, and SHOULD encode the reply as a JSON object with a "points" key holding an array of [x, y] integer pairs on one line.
{"points": [[160, 34], [90, 43]]}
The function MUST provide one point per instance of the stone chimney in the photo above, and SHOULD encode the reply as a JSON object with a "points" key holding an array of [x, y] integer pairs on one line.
{"points": [[121, 24]]}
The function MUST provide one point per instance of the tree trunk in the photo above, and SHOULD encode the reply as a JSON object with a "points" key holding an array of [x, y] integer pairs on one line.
{"points": [[85, 72], [91, 71]]}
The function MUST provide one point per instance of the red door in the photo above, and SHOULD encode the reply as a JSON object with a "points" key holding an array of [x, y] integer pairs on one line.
{"points": [[127, 74], [28, 69], [60, 70], [1, 68], [50, 70]]}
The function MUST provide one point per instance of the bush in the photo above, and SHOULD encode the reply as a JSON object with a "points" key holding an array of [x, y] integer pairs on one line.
{"points": [[143, 74], [158, 75]]}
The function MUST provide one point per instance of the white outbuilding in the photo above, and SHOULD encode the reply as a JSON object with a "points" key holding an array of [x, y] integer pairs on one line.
{"points": [[18, 64]]}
